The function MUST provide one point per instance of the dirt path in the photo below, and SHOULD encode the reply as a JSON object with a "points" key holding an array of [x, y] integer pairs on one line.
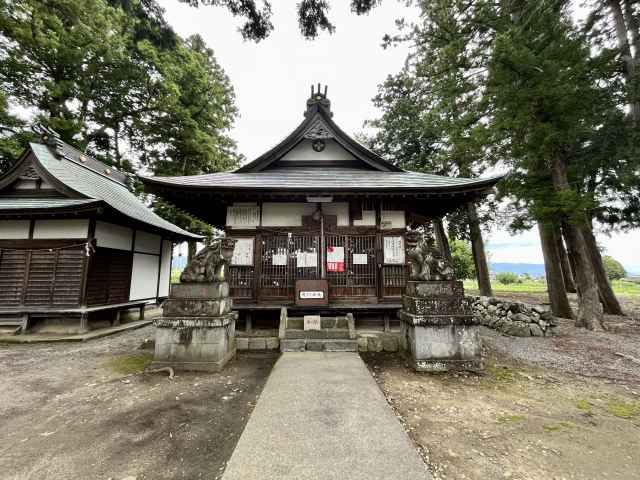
{"points": [[562, 408], [74, 411]]}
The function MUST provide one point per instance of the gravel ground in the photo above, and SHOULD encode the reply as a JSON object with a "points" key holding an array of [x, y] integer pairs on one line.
{"points": [[75, 411], [612, 355]]}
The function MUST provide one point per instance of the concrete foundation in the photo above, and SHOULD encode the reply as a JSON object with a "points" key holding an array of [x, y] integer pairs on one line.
{"points": [[197, 329], [438, 330]]}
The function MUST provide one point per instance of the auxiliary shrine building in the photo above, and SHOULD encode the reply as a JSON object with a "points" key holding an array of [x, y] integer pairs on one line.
{"points": [[319, 219]]}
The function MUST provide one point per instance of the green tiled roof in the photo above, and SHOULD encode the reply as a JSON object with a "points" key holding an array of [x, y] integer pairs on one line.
{"points": [[9, 204], [94, 185]]}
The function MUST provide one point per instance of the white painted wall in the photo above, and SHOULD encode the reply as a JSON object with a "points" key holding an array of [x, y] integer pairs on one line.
{"points": [[392, 219], [147, 242], [76, 228], [304, 151], [368, 219], [109, 235], [144, 276], [285, 214], [165, 268], [340, 209], [14, 229]]}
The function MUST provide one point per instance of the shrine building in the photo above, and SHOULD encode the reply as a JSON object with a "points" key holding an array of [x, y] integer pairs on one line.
{"points": [[319, 219], [77, 246]]}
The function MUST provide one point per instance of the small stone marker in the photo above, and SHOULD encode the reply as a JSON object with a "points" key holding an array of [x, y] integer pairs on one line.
{"points": [[312, 322]]}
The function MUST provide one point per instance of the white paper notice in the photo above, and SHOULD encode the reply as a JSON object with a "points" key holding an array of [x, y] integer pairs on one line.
{"points": [[312, 322], [279, 259], [394, 250], [307, 259], [360, 258], [243, 252]]}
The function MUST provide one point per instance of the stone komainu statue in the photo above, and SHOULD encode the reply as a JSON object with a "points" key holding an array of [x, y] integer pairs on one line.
{"points": [[210, 263], [425, 260]]}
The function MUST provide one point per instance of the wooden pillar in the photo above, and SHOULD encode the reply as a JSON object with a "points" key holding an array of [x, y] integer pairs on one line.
{"points": [[141, 315], [387, 327], [248, 322], [84, 321]]}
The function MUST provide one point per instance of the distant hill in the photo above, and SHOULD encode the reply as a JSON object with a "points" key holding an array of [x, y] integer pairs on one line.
{"points": [[533, 269]]}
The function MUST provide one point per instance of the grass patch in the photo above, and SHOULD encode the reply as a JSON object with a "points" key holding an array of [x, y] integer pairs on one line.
{"points": [[620, 287], [511, 418], [501, 373], [624, 409], [128, 364], [558, 427], [584, 406]]}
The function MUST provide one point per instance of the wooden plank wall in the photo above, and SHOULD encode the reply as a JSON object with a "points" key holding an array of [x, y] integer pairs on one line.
{"points": [[41, 277], [109, 277]]}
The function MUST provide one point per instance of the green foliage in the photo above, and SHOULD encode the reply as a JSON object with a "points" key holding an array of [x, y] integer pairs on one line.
{"points": [[113, 78], [313, 15], [462, 257], [614, 269], [507, 278]]}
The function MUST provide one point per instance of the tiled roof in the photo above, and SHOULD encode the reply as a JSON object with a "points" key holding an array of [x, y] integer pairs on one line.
{"points": [[88, 182], [8, 204], [325, 179]]}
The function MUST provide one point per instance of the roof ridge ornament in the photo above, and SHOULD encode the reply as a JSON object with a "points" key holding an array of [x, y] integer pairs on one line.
{"points": [[50, 138], [318, 101], [318, 130]]}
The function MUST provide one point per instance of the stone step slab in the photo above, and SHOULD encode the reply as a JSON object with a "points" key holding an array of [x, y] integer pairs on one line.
{"points": [[327, 333], [318, 345], [297, 323]]}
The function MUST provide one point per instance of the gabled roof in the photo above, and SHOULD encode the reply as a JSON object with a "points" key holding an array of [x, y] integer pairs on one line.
{"points": [[85, 182], [318, 125]]}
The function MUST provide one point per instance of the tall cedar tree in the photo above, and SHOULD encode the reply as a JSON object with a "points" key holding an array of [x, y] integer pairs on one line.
{"points": [[433, 110], [113, 78], [547, 104]]}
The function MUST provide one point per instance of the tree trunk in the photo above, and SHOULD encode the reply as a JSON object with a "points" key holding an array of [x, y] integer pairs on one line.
{"points": [[567, 272], [609, 301], [442, 239], [191, 250], [630, 70], [589, 308], [553, 271], [479, 255]]}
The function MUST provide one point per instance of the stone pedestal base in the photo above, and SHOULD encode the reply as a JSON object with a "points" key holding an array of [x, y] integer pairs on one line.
{"points": [[438, 331], [196, 332]]}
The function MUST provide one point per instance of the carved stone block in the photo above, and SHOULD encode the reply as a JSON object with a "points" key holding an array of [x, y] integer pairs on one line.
{"points": [[438, 329], [197, 329]]}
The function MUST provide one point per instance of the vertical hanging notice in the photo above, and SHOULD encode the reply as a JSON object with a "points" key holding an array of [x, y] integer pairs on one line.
{"points": [[335, 259], [393, 250], [243, 252]]}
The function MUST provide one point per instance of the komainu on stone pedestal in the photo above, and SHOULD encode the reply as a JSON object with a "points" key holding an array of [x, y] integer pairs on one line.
{"points": [[438, 329], [197, 327]]}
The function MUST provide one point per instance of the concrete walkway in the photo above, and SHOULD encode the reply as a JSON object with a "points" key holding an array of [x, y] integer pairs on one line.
{"points": [[322, 416]]}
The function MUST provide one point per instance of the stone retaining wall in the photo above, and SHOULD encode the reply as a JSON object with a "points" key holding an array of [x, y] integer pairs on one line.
{"points": [[514, 318]]}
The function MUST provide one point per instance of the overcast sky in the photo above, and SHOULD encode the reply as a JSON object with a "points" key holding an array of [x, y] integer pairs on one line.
{"points": [[272, 81]]}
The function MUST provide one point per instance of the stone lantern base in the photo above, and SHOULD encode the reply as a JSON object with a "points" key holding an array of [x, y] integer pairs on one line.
{"points": [[438, 330], [197, 328]]}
